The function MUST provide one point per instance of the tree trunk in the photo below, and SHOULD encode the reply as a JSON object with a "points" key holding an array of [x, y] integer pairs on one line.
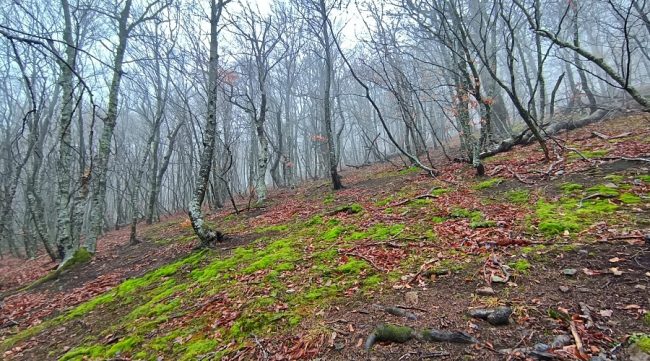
{"points": [[206, 236], [98, 199], [331, 150]]}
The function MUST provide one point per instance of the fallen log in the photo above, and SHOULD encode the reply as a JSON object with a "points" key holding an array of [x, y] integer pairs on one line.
{"points": [[548, 129], [402, 334]]}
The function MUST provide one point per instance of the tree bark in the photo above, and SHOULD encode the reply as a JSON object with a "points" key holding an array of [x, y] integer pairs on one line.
{"points": [[206, 236]]}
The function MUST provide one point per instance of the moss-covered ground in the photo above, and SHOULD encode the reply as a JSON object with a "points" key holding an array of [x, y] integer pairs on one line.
{"points": [[311, 253]]}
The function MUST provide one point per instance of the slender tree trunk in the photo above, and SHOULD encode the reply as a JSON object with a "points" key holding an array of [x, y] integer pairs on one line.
{"points": [[98, 198], [331, 150], [206, 236]]}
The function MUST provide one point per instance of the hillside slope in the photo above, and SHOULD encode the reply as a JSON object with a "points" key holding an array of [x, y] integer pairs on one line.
{"points": [[313, 273]]}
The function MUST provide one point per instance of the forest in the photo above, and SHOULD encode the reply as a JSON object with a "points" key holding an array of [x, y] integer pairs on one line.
{"points": [[325, 179]]}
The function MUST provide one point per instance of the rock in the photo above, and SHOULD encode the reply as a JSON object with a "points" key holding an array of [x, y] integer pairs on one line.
{"points": [[495, 316], [610, 185], [481, 313], [583, 252], [485, 291], [564, 289], [411, 298], [498, 279], [569, 271], [500, 316], [541, 347], [561, 341], [636, 354]]}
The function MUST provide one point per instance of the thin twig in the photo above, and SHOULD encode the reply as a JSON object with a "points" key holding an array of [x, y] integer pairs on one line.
{"points": [[576, 337]]}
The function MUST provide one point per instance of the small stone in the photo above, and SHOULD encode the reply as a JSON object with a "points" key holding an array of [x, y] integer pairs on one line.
{"points": [[584, 289], [636, 354], [411, 298], [561, 341], [583, 252], [498, 279], [569, 271], [485, 291], [541, 347], [610, 185], [564, 289], [338, 346]]}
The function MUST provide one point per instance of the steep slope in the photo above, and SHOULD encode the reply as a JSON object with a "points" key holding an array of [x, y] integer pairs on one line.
{"points": [[312, 273]]}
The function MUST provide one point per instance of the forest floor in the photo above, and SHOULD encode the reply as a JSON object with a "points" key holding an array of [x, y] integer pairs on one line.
{"points": [[312, 273]]}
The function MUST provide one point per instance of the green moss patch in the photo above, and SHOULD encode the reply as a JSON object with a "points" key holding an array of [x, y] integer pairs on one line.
{"points": [[569, 214], [520, 265], [518, 196], [589, 154], [629, 198], [488, 183]]}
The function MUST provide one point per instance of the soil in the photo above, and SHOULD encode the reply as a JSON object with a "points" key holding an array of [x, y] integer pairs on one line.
{"points": [[443, 302]]}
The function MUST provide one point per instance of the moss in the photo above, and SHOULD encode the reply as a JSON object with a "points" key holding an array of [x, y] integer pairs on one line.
{"points": [[603, 190], [275, 228], [294, 320], [82, 353], [320, 293], [315, 220], [384, 202], [409, 170], [520, 265], [353, 208], [329, 198], [570, 214], [644, 178], [642, 341], [518, 196], [124, 345], [615, 178], [482, 224], [438, 220], [80, 256], [439, 191], [466, 213], [372, 281], [353, 266], [394, 333], [589, 154], [329, 254], [530, 249], [445, 266], [571, 187], [378, 232], [646, 319], [488, 183], [382, 232], [333, 233], [421, 202], [254, 322], [90, 305], [199, 347], [275, 256], [552, 223], [628, 198]]}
